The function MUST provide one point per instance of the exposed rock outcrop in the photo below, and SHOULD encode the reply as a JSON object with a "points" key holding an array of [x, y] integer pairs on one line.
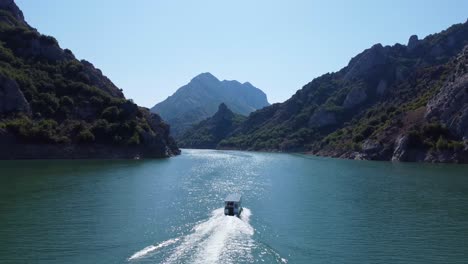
{"points": [[370, 146], [450, 105], [366, 61], [355, 97], [401, 145], [413, 42], [11, 98]]}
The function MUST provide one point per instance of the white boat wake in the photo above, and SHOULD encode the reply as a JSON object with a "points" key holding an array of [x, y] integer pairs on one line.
{"points": [[219, 239], [152, 248]]}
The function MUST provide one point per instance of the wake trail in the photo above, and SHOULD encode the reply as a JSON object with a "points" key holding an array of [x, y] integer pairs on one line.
{"points": [[218, 239], [152, 248]]}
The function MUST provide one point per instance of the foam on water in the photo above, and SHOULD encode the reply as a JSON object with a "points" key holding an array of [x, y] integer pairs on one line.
{"points": [[219, 239], [152, 248]]}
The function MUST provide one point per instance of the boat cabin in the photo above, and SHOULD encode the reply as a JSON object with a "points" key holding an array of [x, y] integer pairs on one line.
{"points": [[233, 204]]}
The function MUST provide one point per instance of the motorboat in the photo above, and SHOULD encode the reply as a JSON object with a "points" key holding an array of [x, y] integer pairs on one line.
{"points": [[233, 205]]}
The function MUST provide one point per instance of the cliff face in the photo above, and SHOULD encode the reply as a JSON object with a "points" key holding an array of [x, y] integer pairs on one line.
{"points": [[450, 105], [200, 99], [208, 133], [398, 102], [11, 98], [54, 106]]}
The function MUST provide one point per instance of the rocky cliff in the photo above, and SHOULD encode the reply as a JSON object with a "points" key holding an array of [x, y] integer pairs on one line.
{"points": [[450, 104], [55, 106], [400, 102]]}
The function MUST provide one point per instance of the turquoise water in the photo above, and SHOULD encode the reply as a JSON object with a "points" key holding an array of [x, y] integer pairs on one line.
{"points": [[299, 209]]}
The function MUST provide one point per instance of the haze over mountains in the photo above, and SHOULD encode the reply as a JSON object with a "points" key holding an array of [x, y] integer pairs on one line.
{"points": [[200, 98]]}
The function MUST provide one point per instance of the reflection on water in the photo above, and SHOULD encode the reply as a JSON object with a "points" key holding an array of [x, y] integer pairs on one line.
{"points": [[301, 209]]}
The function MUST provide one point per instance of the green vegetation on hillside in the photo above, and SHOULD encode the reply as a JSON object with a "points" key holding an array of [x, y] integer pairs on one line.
{"points": [[68, 101], [381, 95]]}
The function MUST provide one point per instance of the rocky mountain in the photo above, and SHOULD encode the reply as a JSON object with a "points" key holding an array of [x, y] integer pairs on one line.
{"points": [[200, 98], [55, 106], [401, 102], [209, 132]]}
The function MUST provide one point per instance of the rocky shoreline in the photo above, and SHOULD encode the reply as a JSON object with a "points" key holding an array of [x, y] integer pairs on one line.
{"points": [[43, 151], [13, 149], [408, 155]]}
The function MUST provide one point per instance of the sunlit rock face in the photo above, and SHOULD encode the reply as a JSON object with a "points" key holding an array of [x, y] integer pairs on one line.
{"points": [[450, 105]]}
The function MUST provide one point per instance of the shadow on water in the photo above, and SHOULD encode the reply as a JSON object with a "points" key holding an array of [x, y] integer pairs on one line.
{"points": [[27, 177]]}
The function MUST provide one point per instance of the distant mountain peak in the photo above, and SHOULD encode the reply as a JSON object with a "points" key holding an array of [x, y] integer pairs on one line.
{"points": [[201, 98], [206, 76]]}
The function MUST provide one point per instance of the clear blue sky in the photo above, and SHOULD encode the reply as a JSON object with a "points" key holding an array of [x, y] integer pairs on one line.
{"points": [[150, 48]]}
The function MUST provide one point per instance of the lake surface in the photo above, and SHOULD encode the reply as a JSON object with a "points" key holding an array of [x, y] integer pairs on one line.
{"points": [[298, 209]]}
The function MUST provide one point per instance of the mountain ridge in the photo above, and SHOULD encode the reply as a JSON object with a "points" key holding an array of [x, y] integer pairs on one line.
{"points": [[355, 112], [200, 98]]}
